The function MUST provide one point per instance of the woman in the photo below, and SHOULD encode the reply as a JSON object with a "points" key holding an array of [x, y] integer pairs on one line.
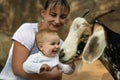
{"points": [[54, 17]]}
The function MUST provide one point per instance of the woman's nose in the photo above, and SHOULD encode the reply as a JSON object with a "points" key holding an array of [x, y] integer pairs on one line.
{"points": [[57, 20]]}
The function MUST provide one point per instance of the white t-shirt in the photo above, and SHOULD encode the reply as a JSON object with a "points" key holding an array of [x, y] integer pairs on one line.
{"points": [[35, 61], [26, 36]]}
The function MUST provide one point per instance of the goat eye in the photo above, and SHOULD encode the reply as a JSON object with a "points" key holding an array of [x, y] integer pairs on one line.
{"points": [[76, 27], [85, 35]]}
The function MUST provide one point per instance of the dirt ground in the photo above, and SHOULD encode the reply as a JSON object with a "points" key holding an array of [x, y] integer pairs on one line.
{"points": [[94, 71]]}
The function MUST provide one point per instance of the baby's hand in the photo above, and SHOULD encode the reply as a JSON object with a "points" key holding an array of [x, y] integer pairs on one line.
{"points": [[72, 65], [44, 68]]}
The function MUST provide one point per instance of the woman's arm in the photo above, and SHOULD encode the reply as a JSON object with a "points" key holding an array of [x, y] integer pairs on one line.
{"points": [[20, 54]]}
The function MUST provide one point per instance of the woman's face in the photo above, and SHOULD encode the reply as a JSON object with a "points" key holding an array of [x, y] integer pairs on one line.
{"points": [[55, 18]]}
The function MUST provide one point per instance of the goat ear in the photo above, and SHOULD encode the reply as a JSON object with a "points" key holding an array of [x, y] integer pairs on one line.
{"points": [[94, 47]]}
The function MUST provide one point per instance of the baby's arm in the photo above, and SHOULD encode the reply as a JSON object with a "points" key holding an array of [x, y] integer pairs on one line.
{"points": [[67, 69], [32, 65]]}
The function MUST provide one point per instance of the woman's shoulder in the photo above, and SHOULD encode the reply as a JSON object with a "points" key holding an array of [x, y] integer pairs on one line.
{"points": [[26, 34], [27, 29], [29, 25]]}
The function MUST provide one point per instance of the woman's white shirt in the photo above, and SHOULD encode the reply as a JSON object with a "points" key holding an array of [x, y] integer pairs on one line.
{"points": [[26, 36]]}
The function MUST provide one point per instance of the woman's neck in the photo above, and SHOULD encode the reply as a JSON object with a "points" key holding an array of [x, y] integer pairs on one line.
{"points": [[41, 26]]}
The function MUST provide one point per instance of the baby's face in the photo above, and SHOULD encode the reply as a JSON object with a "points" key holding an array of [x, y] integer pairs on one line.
{"points": [[51, 45]]}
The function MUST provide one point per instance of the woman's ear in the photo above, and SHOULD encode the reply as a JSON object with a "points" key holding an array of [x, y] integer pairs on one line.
{"points": [[43, 13]]}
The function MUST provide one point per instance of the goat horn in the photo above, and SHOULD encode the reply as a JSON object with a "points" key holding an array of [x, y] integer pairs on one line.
{"points": [[85, 13], [101, 15]]}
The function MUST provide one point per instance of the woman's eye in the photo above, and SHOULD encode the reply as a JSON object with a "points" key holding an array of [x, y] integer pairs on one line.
{"points": [[63, 16], [53, 14]]}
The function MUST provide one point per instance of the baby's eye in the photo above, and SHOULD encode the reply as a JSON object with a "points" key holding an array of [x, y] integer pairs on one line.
{"points": [[58, 43], [52, 43]]}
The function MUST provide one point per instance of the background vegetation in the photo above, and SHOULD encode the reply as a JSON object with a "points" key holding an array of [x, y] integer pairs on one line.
{"points": [[13, 13]]}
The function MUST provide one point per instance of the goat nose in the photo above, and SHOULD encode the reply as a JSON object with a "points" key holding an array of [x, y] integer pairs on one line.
{"points": [[61, 53]]}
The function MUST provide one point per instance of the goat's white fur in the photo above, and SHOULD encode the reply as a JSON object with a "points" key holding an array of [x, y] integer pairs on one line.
{"points": [[69, 47], [76, 29]]}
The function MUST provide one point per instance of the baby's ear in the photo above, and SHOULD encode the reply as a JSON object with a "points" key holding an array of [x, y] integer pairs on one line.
{"points": [[40, 46]]}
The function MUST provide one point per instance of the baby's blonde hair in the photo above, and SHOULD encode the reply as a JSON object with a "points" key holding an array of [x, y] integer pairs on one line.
{"points": [[41, 33]]}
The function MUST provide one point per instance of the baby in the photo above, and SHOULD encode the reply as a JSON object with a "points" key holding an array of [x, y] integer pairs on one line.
{"points": [[48, 43]]}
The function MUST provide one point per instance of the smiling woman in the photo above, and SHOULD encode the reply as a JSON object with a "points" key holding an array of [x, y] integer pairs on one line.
{"points": [[54, 16]]}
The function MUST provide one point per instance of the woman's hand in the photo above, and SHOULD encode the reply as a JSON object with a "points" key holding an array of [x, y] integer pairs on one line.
{"points": [[44, 68], [56, 73]]}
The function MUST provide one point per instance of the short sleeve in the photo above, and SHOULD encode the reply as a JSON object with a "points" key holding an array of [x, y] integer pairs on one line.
{"points": [[25, 35]]}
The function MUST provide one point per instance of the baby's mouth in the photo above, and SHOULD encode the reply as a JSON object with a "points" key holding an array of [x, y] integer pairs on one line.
{"points": [[55, 51]]}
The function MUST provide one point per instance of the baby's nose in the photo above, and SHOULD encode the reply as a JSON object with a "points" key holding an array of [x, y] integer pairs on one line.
{"points": [[57, 46]]}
